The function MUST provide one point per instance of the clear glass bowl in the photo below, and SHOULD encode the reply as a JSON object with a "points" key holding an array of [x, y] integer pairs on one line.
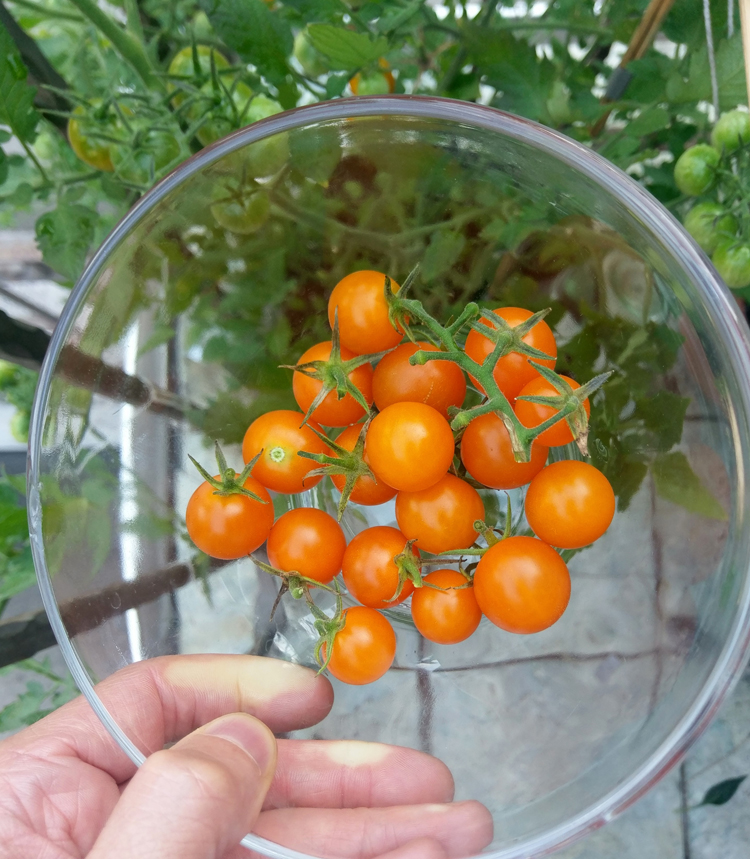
{"points": [[221, 273]]}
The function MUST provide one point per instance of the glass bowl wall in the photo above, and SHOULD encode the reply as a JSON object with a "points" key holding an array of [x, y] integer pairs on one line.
{"points": [[220, 274]]}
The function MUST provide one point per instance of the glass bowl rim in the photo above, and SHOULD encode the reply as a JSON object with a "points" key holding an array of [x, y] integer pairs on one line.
{"points": [[718, 303]]}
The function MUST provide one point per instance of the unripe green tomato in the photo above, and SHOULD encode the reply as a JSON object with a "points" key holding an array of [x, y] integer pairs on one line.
{"points": [[731, 130], [709, 224], [695, 169], [183, 66], [82, 130], [138, 162], [243, 214], [732, 261], [313, 63], [8, 372], [264, 157], [375, 83], [19, 426], [222, 118], [201, 26]]}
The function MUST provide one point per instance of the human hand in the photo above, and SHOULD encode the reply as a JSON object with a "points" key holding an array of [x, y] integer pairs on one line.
{"points": [[68, 790]]}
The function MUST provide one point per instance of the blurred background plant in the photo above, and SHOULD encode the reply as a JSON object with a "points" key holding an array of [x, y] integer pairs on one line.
{"points": [[98, 101]]}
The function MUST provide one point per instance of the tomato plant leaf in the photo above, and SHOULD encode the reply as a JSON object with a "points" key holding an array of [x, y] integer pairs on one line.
{"points": [[64, 236], [721, 793], [3, 166], [664, 415], [395, 18], [653, 119], [676, 481], [730, 71], [16, 96], [442, 252], [258, 35], [345, 49]]}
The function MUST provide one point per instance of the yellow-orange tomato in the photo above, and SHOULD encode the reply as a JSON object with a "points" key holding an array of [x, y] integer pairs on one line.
{"points": [[532, 414], [448, 615], [279, 435], [440, 517], [410, 446], [513, 371], [307, 541], [368, 568], [229, 526], [437, 383], [368, 491], [487, 453], [569, 504], [364, 326], [522, 585], [332, 412], [364, 649]]}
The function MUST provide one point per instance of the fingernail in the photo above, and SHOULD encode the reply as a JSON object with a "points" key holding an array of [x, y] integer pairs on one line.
{"points": [[252, 736]]}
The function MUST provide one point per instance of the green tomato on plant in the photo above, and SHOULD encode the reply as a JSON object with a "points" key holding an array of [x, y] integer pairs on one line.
{"points": [[141, 161], [732, 261], [731, 131], [695, 170], [183, 66], [243, 212], [264, 157], [83, 128], [313, 63], [225, 117], [19, 426], [709, 224]]}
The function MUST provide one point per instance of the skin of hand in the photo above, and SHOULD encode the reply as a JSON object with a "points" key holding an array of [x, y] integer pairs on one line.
{"points": [[67, 789]]}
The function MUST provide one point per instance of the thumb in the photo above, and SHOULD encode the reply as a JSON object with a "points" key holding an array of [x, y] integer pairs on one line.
{"points": [[195, 800]]}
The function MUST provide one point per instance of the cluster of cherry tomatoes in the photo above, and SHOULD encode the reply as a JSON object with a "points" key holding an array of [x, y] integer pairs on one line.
{"points": [[389, 435]]}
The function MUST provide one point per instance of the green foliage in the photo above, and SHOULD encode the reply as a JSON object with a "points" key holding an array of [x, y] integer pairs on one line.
{"points": [[676, 481], [16, 97], [345, 49], [64, 236], [721, 793], [16, 567], [45, 693]]}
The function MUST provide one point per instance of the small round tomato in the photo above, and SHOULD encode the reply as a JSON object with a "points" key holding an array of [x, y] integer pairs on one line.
{"points": [[410, 446], [522, 585], [379, 82], [695, 170], [144, 159], [370, 573], [332, 412], [183, 67], [364, 326], [448, 615], [228, 109], [367, 490], [242, 213], [307, 541], [91, 150], [709, 224], [313, 63], [569, 504], [437, 383], [229, 526], [441, 517], [364, 649], [487, 453], [280, 436], [731, 131], [513, 371], [532, 414], [732, 261]]}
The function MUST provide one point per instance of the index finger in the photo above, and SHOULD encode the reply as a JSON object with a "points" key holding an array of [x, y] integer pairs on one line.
{"points": [[161, 700]]}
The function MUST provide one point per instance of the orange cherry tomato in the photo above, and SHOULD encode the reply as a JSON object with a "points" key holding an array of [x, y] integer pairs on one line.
{"points": [[229, 526], [440, 517], [522, 585], [513, 371], [368, 491], [332, 412], [279, 435], [488, 456], [449, 615], [532, 414], [437, 383], [364, 649], [410, 446], [364, 326], [308, 541], [370, 573], [569, 504]]}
